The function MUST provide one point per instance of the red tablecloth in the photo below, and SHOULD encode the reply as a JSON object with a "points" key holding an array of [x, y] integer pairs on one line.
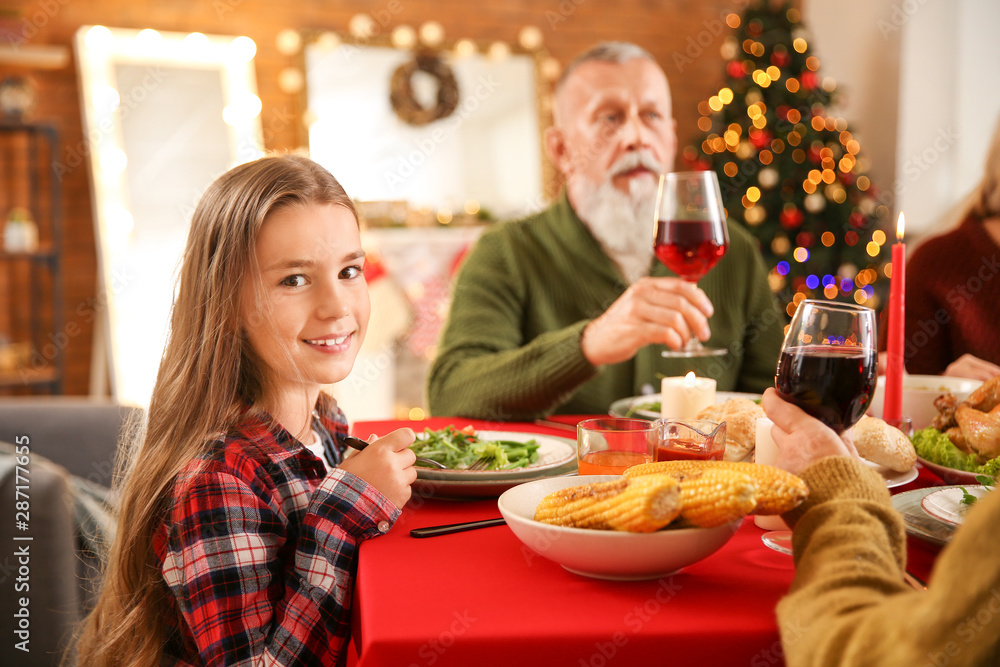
{"points": [[482, 598]]}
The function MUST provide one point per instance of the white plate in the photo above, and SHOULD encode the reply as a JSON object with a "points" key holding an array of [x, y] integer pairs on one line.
{"points": [[553, 452], [892, 477], [917, 522], [950, 475], [946, 505], [622, 406], [476, 489]]}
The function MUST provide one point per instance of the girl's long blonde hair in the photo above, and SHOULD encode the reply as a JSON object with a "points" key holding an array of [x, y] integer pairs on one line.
{"points": [[208, 375]]}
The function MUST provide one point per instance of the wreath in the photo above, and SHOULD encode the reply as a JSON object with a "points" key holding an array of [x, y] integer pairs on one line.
{"points": [[401, 95]]}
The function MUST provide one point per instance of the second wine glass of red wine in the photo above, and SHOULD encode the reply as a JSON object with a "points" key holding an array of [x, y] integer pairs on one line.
{"points": [[827, 367], [828, 362], [690, 234]]}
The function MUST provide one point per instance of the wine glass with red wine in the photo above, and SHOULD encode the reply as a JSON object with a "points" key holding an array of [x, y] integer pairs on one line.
{"points": [[828, 362], [690, 235], [827, 367]]}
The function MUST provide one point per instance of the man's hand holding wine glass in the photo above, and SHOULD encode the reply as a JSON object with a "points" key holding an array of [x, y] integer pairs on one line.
{"points": [[823, 384], [690, 236], [661, 311]]}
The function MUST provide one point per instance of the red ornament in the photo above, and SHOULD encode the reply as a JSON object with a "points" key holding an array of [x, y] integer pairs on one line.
{"points": [[782, 111], [780, 58], [857, 219], [734, 69], [851, 238], [805, 239], [760, 138], [790, 217], [848, 178], [809, 80], [814, 155]]}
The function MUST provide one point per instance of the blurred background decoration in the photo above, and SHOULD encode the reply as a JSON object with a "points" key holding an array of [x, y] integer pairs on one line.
{"points": [[453, 127], [789, 168], [18, 95]]}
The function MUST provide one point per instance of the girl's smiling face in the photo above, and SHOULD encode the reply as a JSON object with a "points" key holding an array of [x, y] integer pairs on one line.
{"points": [[308, 322]]}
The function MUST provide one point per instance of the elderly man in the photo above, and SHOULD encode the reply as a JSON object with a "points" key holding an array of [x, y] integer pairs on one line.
{"points": [[567, 311]]}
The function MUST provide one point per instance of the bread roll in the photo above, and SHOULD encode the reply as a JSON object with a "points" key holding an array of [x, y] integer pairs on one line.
{"points": [[740, 415], [884, 445]]}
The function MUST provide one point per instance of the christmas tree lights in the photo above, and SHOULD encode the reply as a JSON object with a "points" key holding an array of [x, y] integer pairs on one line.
{"points": [[789, 169]]}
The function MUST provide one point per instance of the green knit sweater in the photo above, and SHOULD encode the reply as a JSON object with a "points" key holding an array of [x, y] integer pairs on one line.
{"points": [[849, 607], [511, 346]]}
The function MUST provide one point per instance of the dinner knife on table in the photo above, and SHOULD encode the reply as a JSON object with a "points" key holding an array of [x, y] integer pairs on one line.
{"points": [[433, 531]]}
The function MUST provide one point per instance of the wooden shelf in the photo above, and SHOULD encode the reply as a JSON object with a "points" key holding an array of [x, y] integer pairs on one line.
{"points": [[37, 301], [36, 377], [41, 255], [34, 56]]}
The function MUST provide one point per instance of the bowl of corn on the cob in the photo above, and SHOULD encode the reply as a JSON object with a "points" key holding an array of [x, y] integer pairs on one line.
{"points": [[606, 554]]}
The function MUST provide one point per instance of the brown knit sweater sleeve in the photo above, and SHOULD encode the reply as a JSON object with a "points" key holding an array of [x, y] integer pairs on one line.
{"points": [[848, 604]]}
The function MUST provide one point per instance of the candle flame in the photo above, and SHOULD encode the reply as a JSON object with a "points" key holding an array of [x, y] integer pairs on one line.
{"points": [[689, 379], [899, 227]]}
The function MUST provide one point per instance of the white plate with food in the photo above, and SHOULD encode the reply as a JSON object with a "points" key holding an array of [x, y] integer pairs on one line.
{"points": [[552, 452], [949, 506], [648, 405], [607, 554], [919, 394]]}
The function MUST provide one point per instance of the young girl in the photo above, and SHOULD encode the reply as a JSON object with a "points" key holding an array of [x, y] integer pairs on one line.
{"points": [[235, 544]]}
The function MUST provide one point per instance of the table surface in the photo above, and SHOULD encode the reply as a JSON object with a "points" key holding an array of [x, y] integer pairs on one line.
{"points": [[481, 597]]}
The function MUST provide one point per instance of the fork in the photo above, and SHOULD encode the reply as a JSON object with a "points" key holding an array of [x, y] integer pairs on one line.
{"points": [[359, 444], [481, 463]]}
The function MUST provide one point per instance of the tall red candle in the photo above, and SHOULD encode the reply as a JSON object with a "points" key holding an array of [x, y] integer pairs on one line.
{"points": [[892, 405]]}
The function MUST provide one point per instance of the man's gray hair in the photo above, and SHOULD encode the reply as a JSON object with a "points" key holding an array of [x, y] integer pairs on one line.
{"points": [[608, 52]]}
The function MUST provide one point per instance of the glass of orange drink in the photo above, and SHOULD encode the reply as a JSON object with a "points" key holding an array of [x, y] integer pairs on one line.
{"points": [[608, 445]]}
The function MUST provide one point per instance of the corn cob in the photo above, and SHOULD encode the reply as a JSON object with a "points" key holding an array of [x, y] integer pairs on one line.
{"points": [[714, 496], [639, 505], [777, 491]]}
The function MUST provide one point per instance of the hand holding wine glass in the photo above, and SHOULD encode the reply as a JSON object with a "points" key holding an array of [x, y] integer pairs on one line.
{"points": [[801, 439], [690, 235], [827, 368]]}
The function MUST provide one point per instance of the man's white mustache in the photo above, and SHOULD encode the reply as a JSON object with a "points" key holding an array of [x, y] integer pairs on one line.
{"points": [[634, 160]]}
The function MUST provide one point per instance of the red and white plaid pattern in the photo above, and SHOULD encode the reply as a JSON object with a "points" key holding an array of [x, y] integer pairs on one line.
{"points": [[259, 551]]}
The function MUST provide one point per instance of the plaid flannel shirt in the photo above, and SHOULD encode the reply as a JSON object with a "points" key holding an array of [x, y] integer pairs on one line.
{"points": [[259, 551]]}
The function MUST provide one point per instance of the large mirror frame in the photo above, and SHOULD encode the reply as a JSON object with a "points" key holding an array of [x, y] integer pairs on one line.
{"points": [[489, 151], [164, 114]]}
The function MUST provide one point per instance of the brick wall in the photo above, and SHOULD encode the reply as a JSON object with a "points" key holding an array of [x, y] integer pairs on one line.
{"points": [[684, 35]]}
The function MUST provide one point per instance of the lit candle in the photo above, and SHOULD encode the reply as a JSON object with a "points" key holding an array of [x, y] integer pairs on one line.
{"points": [[892, 404], [684, 397]]}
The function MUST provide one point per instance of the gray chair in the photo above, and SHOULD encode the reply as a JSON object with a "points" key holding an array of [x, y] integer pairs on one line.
{"points": [[73, 444], [79, 433]]}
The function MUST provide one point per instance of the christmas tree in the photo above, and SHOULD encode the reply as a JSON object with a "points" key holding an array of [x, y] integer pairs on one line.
{"points": [[789, 170]]}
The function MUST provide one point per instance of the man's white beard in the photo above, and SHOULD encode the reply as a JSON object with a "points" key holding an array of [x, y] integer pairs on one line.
{"points": [[622, 223]]}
